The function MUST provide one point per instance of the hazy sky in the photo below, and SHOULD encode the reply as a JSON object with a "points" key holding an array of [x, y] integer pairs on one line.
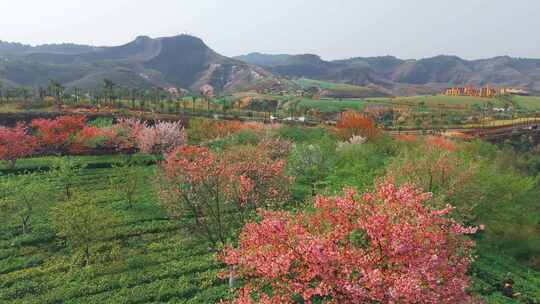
{"points": [[330, 28]]}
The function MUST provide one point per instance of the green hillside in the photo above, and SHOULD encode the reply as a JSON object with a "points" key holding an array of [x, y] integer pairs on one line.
{"points": [[339, 90]]}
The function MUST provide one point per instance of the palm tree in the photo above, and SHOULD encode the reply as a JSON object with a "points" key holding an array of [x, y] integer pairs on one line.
{"points": [[77, 93], [205, 95], [159, 92], [50, 88], [109, 89], [41, 92], [26, 93], [134, 94], [57, 90]]}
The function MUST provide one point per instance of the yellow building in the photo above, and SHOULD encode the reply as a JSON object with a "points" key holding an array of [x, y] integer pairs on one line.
{"points": [[486, 92]]}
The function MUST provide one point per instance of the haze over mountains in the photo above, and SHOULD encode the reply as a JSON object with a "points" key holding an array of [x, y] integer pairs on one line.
{"points": [[180, 61], [393, 73], [187, 62]]}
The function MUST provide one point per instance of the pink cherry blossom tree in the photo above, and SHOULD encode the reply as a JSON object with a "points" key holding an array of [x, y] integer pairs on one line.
{"points": [[213, 194], [381, 247], [161, 138]]}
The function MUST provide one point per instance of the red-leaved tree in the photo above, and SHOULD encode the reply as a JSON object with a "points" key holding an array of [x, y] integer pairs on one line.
{"points": [[382, 247], [16, 143], [91, 137], [57, 134], [354, 123]]}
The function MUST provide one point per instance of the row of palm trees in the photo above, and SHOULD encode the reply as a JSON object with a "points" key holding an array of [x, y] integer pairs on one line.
{"points": [[108, 95], [111, 95]]}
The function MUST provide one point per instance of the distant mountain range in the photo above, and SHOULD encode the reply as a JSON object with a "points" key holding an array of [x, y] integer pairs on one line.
{"points": [[187, 62], [180, 61], [400, 75]]}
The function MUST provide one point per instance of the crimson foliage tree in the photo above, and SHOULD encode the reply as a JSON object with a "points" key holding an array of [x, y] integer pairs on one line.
{"points": [[16, 143], [381, 247], [354, 123], [57, 134]]}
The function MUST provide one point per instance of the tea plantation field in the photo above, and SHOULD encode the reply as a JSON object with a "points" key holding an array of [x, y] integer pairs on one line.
{"points": [[156, 261]]}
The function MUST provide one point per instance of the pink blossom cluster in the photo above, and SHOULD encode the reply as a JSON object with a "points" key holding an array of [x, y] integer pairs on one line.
{"points": [[162, 137], [385, 246], [247, 176]]}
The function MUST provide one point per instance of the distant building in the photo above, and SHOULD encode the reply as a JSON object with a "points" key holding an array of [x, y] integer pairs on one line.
{"points": [[207, 90], [486, 92], [512, 91], [175, 92]]}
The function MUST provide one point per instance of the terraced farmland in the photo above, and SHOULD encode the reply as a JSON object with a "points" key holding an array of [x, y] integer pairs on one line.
{"points": [[157, 262]]}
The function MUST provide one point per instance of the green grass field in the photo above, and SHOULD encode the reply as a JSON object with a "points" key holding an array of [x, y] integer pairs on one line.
{"points": [[331, 105], [437, 100], [158, 262], [306, 83], [529, 103], [336, 105]]}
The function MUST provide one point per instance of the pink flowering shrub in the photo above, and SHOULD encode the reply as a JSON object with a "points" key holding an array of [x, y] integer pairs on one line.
{"points": [[214, 193], [162, 137], [381, 247], [259, 177], [159, 138], [127, 132]]}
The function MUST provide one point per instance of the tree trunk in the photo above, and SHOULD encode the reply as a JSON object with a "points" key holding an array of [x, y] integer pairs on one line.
{"points": [[11, 163], [86, 255], [232, 270], [24, 226]]}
